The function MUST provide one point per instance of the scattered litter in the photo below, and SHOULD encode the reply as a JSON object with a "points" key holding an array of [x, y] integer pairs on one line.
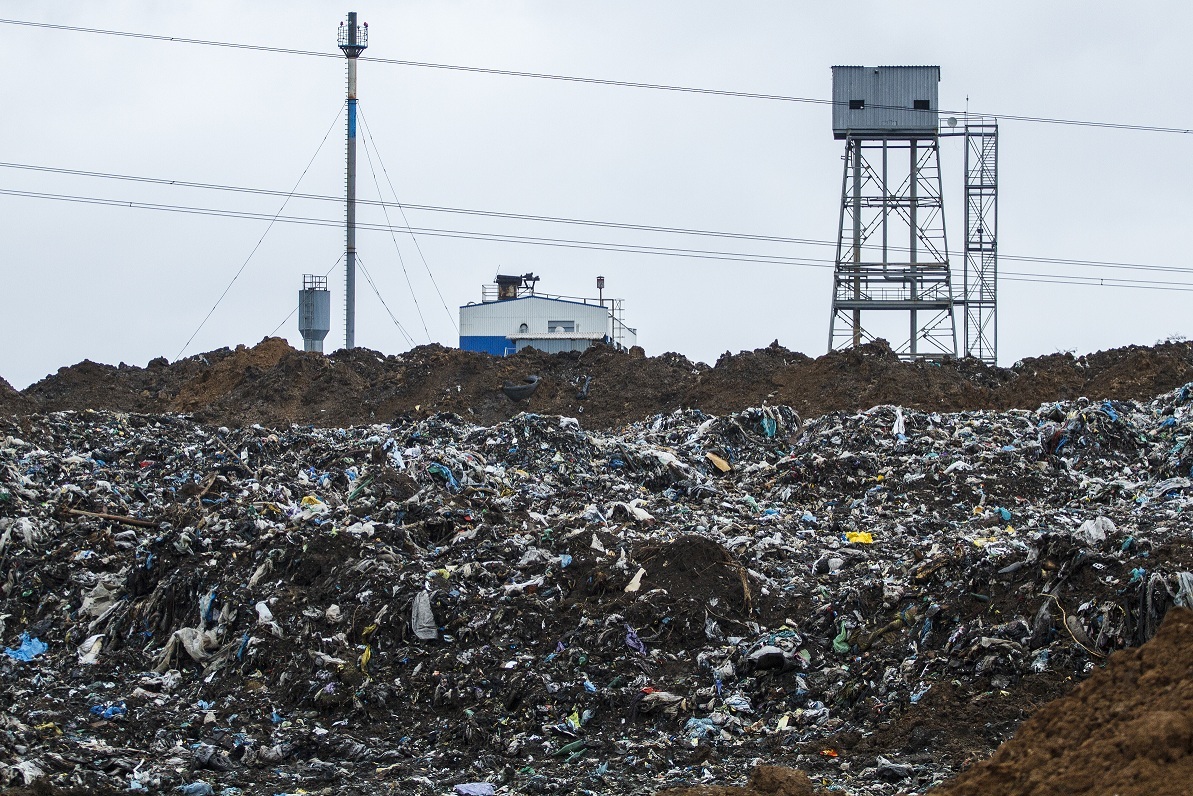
{"points": [[527, 604]]}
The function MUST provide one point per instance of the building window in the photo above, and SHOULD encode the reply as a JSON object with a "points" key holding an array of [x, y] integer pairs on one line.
{"points": [[523, 328], [857, 105], [561, 326], [921, 105]]}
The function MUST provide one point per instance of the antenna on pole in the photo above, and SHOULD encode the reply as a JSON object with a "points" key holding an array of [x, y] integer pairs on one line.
{"points": [[353, 39]]}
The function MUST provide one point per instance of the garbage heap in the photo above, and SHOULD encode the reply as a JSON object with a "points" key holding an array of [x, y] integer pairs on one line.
{"points": [[431, 606], [1070, 746]]}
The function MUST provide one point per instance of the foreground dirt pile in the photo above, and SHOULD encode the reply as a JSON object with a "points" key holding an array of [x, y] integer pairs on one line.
{"points": [[273, 384], [1128, 730], [432, 606]]}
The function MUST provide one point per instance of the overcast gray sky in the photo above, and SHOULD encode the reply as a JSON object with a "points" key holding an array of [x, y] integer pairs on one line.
{"points": [[123, 284]]}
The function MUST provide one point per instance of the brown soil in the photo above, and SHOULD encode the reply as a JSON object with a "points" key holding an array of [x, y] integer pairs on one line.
{"points": [[764, 781], [11, 401], [1127, 730], [273, 384]]}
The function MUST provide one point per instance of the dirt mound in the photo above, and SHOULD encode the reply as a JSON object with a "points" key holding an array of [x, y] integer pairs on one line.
{"points": [[764, 781], [697, 568], [273, 384], [1127, 730], [11, 401]]}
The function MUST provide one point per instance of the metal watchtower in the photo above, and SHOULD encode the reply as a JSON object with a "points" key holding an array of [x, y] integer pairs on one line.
{"points": [[892, 254]]}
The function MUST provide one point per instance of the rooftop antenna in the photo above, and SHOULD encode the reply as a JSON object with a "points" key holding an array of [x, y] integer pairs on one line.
{"points": [[353, 40]]}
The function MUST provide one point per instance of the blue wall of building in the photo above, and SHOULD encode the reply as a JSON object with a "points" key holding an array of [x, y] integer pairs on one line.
{"points": [[494, 344]]}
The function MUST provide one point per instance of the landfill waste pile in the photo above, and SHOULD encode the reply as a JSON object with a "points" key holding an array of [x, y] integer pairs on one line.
{"points": [[275, 385], [764, 781], [431, 606], [1128, 730]]}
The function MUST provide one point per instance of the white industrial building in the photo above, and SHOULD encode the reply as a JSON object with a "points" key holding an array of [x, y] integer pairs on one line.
{"points": [[512, 316]]}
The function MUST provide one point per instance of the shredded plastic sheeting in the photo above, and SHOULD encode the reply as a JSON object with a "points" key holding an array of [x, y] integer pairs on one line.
{"points": [[317, 609]]}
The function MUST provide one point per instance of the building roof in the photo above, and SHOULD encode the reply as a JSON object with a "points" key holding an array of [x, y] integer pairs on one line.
{"points": [[526, 298]]}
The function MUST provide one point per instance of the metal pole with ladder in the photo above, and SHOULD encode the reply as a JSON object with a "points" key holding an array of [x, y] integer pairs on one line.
{"points": [[353, 39]]}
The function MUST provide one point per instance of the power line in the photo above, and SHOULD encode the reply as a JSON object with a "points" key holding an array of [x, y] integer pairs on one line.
{"points": [[1057, 279], [418, 247], [377, 293], [764, 238], [393, 236], [260, 240], [1149, 128], [433, 232]]}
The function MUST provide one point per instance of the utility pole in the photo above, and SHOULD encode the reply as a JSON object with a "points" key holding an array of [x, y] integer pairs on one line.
{"points": [[353, 40]]}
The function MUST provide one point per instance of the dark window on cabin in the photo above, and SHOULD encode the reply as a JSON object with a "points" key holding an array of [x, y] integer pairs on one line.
{"points": [[857, 105], [921, 105]]}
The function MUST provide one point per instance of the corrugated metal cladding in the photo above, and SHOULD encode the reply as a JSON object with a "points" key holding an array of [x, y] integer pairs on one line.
{"points": [[494, 326], [893, 101], [557, 346], [506, 318]]}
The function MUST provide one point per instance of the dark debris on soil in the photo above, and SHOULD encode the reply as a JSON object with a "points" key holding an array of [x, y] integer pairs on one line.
{"points": [[272, 383]]}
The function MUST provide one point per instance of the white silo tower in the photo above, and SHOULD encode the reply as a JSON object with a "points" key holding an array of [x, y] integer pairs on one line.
{"points": [[314, 312]]}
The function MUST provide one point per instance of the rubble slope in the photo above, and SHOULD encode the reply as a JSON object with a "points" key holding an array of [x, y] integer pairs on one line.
{"points": [[877, 598], [1128, 730], [273, 384]]}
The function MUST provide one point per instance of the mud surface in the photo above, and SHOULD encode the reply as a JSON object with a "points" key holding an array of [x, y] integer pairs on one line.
{"points": [[273, 384], [1127, 730]]}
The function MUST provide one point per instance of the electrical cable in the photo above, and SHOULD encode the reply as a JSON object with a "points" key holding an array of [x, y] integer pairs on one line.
{"points": [[570, 221], [584, 80], [260, 240], [429, 231], [377, 293], [1013, 276], [393, 236], [368, 132]]}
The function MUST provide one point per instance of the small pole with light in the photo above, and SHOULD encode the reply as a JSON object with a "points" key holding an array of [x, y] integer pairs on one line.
{"points": [[601, 289]]}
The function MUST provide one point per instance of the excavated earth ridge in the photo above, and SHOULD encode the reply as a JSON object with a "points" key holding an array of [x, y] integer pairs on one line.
{"points": [[273, 384]]}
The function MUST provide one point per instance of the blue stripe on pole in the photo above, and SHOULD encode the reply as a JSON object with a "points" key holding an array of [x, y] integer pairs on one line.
{"points": [[352, 119]]}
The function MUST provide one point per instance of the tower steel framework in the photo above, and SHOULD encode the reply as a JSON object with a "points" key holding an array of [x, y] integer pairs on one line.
{"points": [[980, 283], [892, 252]]}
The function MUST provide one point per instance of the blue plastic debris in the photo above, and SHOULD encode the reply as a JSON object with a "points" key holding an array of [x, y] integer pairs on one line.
{"points": [[438, 469], [30, 648], [109, 711], [207, 607], [244, 645]]}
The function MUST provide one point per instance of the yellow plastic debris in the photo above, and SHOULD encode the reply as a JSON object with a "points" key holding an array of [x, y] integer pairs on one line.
{"points": [[718, 462], [859, 537]]}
